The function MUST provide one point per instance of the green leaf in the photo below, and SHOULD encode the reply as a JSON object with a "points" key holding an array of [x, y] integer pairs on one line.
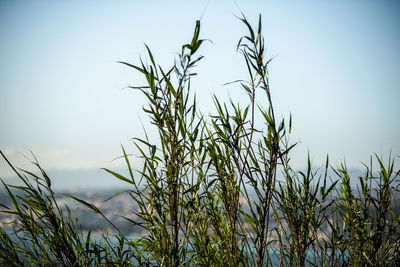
{"points": [[89, 205], [150, 55], [248, 27], [133, 66], [195, 35], [119, 176]]}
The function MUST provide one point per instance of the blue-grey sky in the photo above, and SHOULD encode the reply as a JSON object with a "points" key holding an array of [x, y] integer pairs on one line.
{"points": [[336, 69]]}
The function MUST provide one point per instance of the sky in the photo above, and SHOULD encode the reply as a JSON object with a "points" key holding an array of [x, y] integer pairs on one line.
{"points": [[64, 97]]}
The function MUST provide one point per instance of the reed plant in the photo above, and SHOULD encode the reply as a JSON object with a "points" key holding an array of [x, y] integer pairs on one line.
{"points": [[46, 233], [370, 228], [207, 191], [303, 207]]}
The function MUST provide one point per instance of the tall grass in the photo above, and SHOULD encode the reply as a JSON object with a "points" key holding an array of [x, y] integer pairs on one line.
{"points": [[207, 192]]}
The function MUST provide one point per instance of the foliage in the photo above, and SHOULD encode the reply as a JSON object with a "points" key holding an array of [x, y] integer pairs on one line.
{"points": [[208, 191]]}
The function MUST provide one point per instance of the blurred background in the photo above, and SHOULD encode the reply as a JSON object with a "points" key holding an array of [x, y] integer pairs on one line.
{"points": [[64, 97]]}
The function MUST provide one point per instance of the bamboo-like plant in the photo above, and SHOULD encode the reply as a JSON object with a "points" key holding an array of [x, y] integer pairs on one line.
{"points": [[47, 234], [170, 181], [303, 207], [208, 192], [370, 225]]}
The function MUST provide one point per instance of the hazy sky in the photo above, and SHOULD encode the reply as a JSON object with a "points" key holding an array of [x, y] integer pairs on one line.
{"points": [[63, 96]]}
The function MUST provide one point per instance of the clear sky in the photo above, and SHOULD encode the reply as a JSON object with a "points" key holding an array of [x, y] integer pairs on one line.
{"points": [[63, 96]]}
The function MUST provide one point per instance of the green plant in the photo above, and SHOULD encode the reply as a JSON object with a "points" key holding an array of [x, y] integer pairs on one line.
{"points": [[302, 209], [370, 225], [46, 234], [170, 180], [208, 191]]}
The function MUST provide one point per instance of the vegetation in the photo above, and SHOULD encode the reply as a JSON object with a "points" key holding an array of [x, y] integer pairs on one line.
{"points": [[208, 192]]}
